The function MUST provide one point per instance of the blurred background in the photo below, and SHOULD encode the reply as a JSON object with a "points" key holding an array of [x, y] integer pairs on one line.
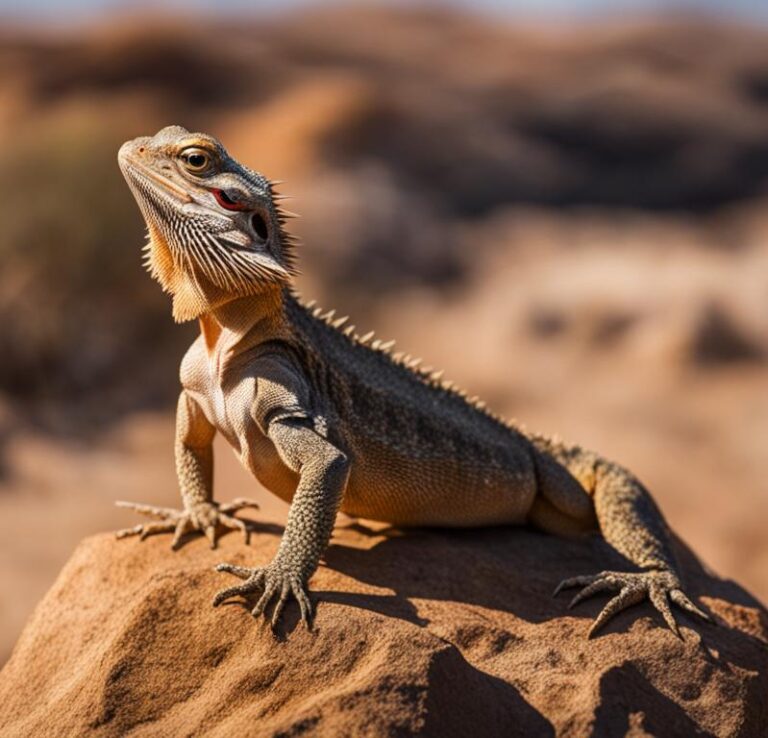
{"points": [[562, 204]]}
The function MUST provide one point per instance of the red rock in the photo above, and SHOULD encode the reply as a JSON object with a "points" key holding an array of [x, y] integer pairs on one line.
{"points": [[432, 633]]}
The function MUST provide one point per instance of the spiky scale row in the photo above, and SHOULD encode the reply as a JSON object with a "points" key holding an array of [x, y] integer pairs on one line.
{"points": [[288, 242], [432, 377]]}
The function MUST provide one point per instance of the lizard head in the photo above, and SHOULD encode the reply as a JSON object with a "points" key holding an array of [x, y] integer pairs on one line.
{"points": [[215, 231]]}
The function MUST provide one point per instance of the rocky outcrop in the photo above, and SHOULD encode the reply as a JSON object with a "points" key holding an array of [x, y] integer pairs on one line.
{"points": [[429, 633]]}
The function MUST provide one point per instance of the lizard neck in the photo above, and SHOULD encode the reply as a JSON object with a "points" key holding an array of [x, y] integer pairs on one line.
{"points": [[245, 322]]}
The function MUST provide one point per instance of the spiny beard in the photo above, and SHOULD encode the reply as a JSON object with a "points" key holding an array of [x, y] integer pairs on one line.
{"points": [[201, 259], [225, 260], [203, 265]]}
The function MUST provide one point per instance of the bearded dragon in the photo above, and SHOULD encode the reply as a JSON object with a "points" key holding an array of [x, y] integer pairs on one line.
{"points": [[328, 420]]}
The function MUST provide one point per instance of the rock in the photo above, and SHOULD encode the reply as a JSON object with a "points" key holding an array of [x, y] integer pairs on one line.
{"points": [[429, 633]]}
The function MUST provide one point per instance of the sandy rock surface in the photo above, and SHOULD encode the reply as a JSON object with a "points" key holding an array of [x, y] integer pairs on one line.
{"points": [[431, 633]]}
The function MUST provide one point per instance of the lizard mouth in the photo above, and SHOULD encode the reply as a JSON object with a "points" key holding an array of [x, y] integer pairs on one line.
{"points": [[158, 179], [226, 201]]}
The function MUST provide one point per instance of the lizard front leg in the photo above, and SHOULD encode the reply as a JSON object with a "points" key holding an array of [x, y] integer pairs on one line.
{"points": [[194, 469], [323, 470]]}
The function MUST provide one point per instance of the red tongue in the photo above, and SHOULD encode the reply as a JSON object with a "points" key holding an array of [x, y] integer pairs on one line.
{"points": [[227, 202]]}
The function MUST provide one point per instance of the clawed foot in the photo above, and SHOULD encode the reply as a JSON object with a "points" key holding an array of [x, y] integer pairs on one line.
{"points": [[204, 516], [270, 581], [658, 586]]}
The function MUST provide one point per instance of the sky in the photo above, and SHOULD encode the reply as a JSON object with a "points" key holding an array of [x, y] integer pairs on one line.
{"points": [[63, 11]]}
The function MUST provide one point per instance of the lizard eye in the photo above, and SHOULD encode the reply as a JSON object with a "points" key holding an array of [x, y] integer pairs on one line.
{"points": [[196, 160]]}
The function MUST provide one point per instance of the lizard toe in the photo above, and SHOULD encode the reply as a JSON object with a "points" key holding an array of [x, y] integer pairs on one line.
{"points": [[254, 582], [152, 528], [239, 503], [305, 606], [239, 571], [599, 585], [579, 581], [233, 523], [658, 597], [210, 534], [661, 587], [280, 604], [628, 596], [167, 520], [682, 601], [270, 589]]}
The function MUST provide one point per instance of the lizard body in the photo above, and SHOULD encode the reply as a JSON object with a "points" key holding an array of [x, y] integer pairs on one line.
{"points": [[330, 421]]}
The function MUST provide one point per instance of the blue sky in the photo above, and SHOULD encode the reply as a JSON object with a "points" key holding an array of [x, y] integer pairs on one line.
{"points": [[63, 11]]}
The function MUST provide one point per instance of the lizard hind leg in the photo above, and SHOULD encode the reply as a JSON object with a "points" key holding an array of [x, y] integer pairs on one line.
{"points": [[633, 526], [562, 505], [546, 517]]}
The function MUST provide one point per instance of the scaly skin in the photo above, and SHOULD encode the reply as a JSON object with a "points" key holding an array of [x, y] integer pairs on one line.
{"points": [[330, 421]]}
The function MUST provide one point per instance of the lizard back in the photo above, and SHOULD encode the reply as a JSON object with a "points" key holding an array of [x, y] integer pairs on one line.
{"points": [[402, 425]]}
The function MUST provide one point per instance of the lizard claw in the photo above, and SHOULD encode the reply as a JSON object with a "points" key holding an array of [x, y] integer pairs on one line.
{"points": [[203, 516], [238, 504], [660, 587], [270, 581]]}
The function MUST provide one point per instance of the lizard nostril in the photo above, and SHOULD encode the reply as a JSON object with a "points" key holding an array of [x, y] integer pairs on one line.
{"points": [[141, 149]]}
